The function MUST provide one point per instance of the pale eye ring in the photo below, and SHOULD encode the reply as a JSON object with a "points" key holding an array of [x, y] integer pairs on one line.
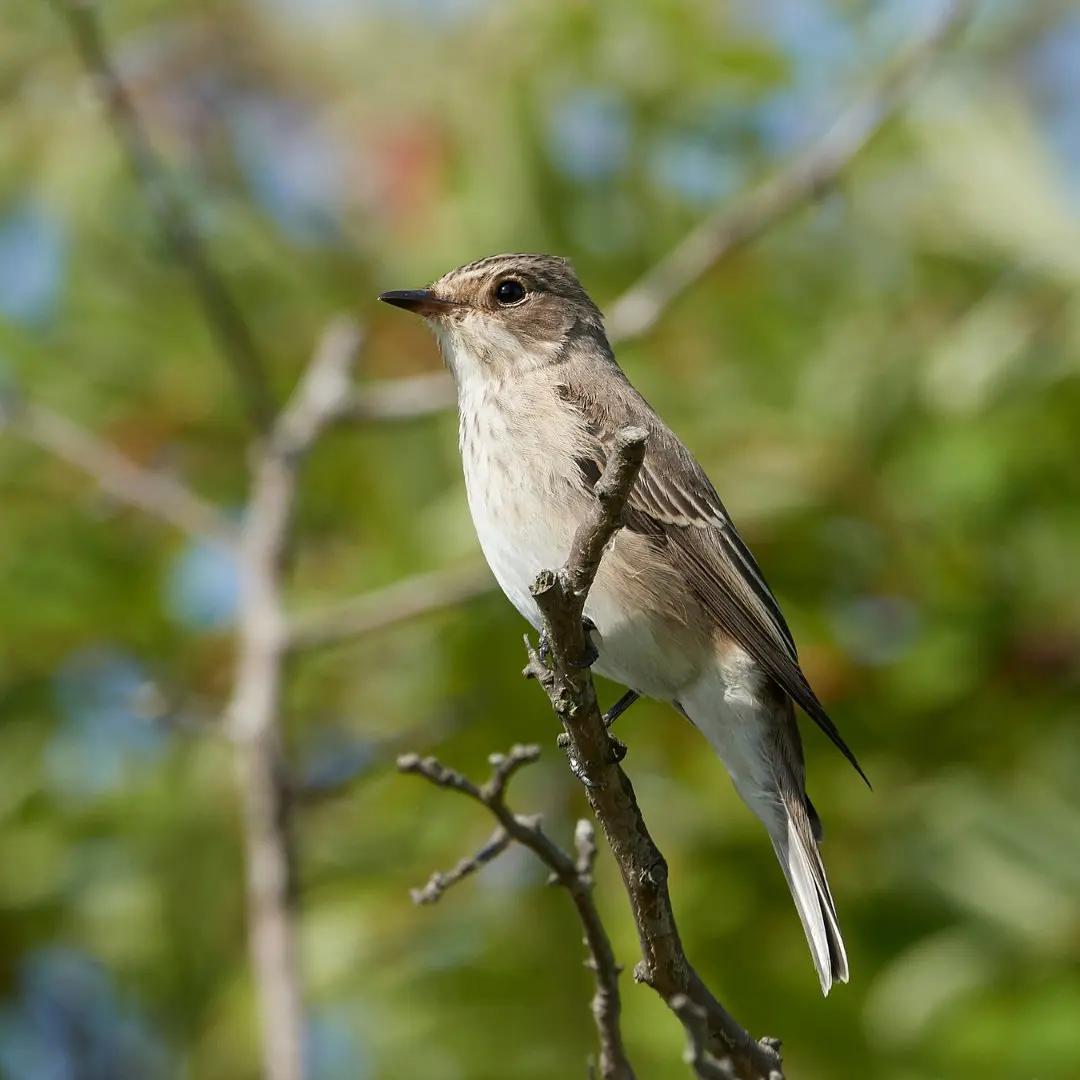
{"points": [[508, 292]]}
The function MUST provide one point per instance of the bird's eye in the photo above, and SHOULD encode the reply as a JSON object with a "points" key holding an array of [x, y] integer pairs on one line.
{"points": [[509, 292]]}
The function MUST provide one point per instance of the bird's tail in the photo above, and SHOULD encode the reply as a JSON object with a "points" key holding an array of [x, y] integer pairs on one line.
{"points": [[795, 846], [758, 741]]}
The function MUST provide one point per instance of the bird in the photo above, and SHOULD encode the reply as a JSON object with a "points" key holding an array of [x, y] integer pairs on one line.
{"points": [[679, 610]]}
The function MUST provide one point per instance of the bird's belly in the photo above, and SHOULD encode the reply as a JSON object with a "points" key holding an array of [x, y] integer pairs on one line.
{"points": [[525, 518], [631, 652], [520, 534], [516, 559], [637, 647], [641, 645]]}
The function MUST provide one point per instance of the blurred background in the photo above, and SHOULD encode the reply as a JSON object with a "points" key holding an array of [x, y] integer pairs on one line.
{"points": [[885, 389]]}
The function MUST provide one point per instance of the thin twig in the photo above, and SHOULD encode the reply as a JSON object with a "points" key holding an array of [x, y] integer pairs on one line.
{"points": [[254, 714], [380, 608], [807, 177], [223, 314], [575, 875], [561, 596], [155, 493], [440, 881]]}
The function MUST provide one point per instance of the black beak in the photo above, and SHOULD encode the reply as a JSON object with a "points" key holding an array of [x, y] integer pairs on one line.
{"points": [[422, 301]]}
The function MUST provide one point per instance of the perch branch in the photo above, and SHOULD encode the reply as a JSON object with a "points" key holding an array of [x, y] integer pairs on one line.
{"points": [[561, 596], [806, 178], [223, 315], [254, 714], [575, 875]]}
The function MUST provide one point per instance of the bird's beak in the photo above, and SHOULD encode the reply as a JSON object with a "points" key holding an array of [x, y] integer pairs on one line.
{"points": [[422, 301]]}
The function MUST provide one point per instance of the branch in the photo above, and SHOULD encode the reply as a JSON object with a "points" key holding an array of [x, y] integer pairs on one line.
{"points": [[254, 714], [223, 314], [401, 399], [807, 177], [392, 604], [561, 596], [323, 390], [155, 493], [439, 882], [574, 875], [696, 1055]]}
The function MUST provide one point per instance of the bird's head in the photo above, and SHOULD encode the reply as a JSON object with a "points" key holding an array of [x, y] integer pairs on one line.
{"points": [[506, 314]]}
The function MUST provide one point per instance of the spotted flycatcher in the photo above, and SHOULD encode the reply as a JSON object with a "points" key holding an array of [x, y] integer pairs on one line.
{"points": [[680, 608]]}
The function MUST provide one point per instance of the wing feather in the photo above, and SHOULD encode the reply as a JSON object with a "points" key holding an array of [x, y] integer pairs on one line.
{"points": [[676, 506]]}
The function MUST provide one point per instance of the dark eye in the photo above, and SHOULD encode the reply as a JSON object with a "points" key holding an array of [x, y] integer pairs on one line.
{"points": [[509, 292]]}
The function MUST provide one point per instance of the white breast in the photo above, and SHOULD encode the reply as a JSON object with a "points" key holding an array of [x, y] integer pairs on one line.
{"points": [[519, 493], [527, 498]]}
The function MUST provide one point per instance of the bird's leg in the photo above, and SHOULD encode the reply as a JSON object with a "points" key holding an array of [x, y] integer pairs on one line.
{"points": [[620, 707]]}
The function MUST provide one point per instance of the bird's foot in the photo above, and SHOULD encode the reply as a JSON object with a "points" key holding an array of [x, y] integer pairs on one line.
{"points": [[617, 749], [544, 650], [616, 753], [575, 766], [620, 707]]}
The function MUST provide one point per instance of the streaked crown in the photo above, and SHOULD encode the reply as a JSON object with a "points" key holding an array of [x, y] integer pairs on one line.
{"points": [[478, 283]]}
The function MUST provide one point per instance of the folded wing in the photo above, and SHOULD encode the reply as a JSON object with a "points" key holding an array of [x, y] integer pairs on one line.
{"points": [[676, 506]]}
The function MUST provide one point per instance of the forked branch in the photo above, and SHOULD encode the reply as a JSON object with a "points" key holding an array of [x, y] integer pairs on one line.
{"points": [[573, 874]]}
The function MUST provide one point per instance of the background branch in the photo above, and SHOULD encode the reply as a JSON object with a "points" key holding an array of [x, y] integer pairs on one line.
{"points": [[254, 715], [807, 177], [695, 1024], [223, 315], [561, 597], [155, 493], [401, 399], [575, 875], [380, 608]]}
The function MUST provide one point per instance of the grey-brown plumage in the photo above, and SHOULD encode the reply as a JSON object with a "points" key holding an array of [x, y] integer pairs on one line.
{"points": [[682, 611]]}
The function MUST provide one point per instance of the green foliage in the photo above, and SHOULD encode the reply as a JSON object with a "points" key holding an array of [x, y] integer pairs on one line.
{"points": [[884, 389]]}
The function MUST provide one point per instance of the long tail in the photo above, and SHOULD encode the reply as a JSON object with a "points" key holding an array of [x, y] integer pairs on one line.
{"points": [[758, 741], [797, 850]]}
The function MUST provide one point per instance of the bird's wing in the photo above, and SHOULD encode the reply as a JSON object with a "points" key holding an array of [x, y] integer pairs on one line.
{"points": [[676, 506]]}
